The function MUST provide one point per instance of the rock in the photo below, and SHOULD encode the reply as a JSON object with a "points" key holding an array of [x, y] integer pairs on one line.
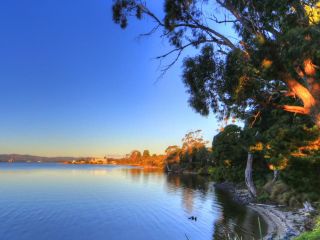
{"points": [[282, 223], [307, 207]]}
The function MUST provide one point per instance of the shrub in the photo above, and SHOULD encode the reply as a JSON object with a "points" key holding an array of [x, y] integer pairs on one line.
{"points": [[313, 235], [222, 173], [302, 175]]}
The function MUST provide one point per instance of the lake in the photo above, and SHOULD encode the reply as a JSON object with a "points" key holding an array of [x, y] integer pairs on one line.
{"points": [[54, 201]]}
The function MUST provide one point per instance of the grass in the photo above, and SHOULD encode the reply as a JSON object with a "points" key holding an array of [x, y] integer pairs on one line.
{"points": [[313, 235]]}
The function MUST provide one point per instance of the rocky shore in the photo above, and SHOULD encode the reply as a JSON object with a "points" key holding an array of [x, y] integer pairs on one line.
{"points": [[283, 223]]}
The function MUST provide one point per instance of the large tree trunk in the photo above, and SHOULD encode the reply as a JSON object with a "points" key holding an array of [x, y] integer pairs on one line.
{"points": [[248, 175], [310, 99], [309, 93]]}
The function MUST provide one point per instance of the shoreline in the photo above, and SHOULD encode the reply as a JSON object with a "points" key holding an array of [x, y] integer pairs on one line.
{"points": [[112, 164], [283, 223]]}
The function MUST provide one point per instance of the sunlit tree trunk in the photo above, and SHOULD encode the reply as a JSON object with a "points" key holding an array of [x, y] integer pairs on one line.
{"points": [[308, 94], [311, 103], [248, 175]]}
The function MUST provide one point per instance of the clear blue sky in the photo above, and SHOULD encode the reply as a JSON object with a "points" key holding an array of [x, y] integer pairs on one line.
{"points": [[74, 83]]}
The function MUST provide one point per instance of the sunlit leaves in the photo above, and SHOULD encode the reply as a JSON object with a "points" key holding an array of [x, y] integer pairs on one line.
{"points": [[313, 12], [238, 76]]}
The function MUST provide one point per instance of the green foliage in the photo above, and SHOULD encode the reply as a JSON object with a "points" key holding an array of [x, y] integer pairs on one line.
{"points": [[201, 155], [228, 147], [282, 193], [263, 197], [253, 79], [197, 73], [313, 235], [231, 174], [239, 77], [302, 174], [283, 134], [196, 158]]}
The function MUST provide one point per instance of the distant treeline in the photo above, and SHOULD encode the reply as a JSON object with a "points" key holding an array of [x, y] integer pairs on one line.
{"points": [[30, 158], [142, 159], [135, 158]]}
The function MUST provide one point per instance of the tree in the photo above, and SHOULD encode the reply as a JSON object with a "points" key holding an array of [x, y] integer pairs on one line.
{"points": [[135, 156], [275, 56], [173, 153], [191, 141], [228, 147], [273, 64], [146, 154], [201, 156], [285, 136]]}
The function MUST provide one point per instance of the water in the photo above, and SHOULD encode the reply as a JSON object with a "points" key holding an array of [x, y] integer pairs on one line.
{"points": [[55, 201]]}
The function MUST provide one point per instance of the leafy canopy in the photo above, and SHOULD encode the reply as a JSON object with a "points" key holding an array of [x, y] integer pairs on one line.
{"points": [[276, 55]]}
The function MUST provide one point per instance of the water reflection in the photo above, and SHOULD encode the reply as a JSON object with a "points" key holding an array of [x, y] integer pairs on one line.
{"points": [[233, 219], [54, 201], [192, 187]]}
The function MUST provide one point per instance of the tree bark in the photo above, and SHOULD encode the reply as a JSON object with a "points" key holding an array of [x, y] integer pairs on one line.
{"points": [[275, 175], [248, 175], [309, 93], [310, 99]]}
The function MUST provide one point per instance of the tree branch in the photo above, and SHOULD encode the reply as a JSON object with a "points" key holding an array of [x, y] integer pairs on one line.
{"points": [[296, 109], [179, 50], [216, 36], [301, 92]]}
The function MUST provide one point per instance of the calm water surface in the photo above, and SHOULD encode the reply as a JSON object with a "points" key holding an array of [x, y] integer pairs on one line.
{"points": [[55, 201]]}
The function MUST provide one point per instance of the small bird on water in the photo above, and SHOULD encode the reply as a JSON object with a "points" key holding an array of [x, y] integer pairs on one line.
{"points": [[193, 218]]}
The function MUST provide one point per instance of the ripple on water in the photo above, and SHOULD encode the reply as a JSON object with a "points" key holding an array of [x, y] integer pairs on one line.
{"points": [[52, 201]]}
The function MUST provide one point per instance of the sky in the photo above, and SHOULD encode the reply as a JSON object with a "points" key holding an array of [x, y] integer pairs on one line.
{"points": [[74, 84]]}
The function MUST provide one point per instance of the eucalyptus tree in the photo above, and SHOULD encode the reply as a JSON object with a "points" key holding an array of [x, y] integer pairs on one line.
{"points": [[275, 56], [146, 153]]}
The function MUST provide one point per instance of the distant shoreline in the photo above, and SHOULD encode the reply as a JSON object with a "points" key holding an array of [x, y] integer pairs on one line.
{"points": [[114, 164]]}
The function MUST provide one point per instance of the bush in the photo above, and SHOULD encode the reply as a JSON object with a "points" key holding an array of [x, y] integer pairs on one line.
{"points": [[313, 235], [302, 175], [263, 197], [222, 173], [278, 189], [281, 193]]}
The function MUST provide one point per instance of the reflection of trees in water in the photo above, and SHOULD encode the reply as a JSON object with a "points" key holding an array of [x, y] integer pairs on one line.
{"points": [[235, 219], [192, 186], [187, 199], [137, 174], [194, 182]]}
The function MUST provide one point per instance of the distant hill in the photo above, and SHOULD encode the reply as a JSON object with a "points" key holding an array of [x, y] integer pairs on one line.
{"points": [[29, 158]]}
